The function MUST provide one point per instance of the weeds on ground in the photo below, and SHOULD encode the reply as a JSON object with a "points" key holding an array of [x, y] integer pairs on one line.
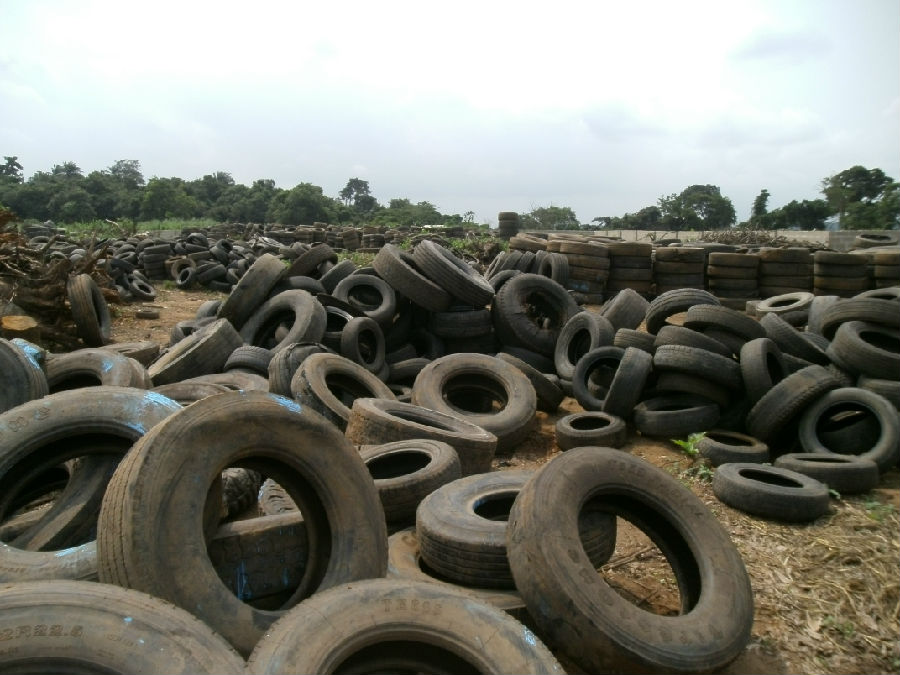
{"points": [[690, 447]]}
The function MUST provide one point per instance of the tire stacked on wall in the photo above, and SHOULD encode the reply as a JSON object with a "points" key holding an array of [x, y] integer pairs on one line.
{"points": [[886, 269], [507, 224], [841, 274], [784, 270], [678, 267], [733, 276], [630, 266], [588, 269]]}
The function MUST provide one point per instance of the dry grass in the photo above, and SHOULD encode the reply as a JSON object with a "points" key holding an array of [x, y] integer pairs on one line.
{"points": [[827, 594]]}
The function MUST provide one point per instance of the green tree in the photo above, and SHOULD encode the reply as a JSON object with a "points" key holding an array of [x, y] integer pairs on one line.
{"points": [[106, 194], [805, 215], [759, 206], [128, 173], [167, 198], [71, 204], [301, 205], [11, 170], [550, 218], [852, 194], [698, 207], [357, 193]]}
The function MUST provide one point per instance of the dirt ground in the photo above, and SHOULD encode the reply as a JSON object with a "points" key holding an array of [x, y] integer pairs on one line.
{"points": [[826, 594]]}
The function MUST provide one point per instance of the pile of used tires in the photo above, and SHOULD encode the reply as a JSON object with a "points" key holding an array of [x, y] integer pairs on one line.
{"points": [[598, 266], [233, 492]]}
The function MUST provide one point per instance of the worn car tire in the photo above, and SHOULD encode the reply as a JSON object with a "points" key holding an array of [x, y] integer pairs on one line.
{"points": [[584, 617], [150, 533], [771, 492]]}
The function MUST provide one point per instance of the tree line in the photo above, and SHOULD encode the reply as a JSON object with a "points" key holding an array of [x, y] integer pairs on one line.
{"points": [[861, 198], [120, 193]]}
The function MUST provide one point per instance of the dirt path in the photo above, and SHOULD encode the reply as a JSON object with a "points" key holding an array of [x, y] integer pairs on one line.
{"points": [[827, 594]]}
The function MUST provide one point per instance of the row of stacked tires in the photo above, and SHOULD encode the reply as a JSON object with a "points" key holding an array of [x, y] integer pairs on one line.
{"points": [[378, 407], [598, 266]]}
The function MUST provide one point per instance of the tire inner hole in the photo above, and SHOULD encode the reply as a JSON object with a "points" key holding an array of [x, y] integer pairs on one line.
{"points": [[397, 464], [478, 394]]}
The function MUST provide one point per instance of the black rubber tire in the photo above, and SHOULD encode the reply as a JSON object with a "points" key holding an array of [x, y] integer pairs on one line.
{"points": [[329, 383], [724, 318], [533, 359], [334, 276], [242, 554], [201, 353], [347, 628], [397, 268], [575, 609], [885, 452], [866, 349], [679, 335], [671, 382], [186, 393], [530, 311], [308, 262], [251, 290], [455, 325], [370, 295], [89, 310], [717, 369], [153, 506], [628, 383], [594, 375], [770, 492], [285, 363], [208, 309], [299, 309], [790, 341], [549, 394], [584, 332], [480, 389], [405, 472], [256, 359], [144, 351], [498, 279], [626, 309], [762, 367], [673, 302], [90, 367], [461, 529], [889, 389], [37, 435], [405, 563], [720, 446], [675, 416], [21, 377], [556, 267], [628, 337], [846, 475], [73, 626], [787, 400], [870, 310], [452, 274], [590, 428], [363, 342], [781, 304], [374, 421]]}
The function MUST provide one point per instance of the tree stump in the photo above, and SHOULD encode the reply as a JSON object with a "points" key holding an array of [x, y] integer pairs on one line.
{"points": [[17, 326]]}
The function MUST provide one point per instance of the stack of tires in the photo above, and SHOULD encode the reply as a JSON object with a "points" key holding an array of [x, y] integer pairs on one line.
{"points": [[841, 274], [885, 269], [507, 224], [678, 267], [784, 270], [733, 276], [630, 266], [588, 264]]}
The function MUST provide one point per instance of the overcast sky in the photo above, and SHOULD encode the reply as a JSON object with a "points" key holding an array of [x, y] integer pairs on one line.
{"points": [[482, 106]]}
